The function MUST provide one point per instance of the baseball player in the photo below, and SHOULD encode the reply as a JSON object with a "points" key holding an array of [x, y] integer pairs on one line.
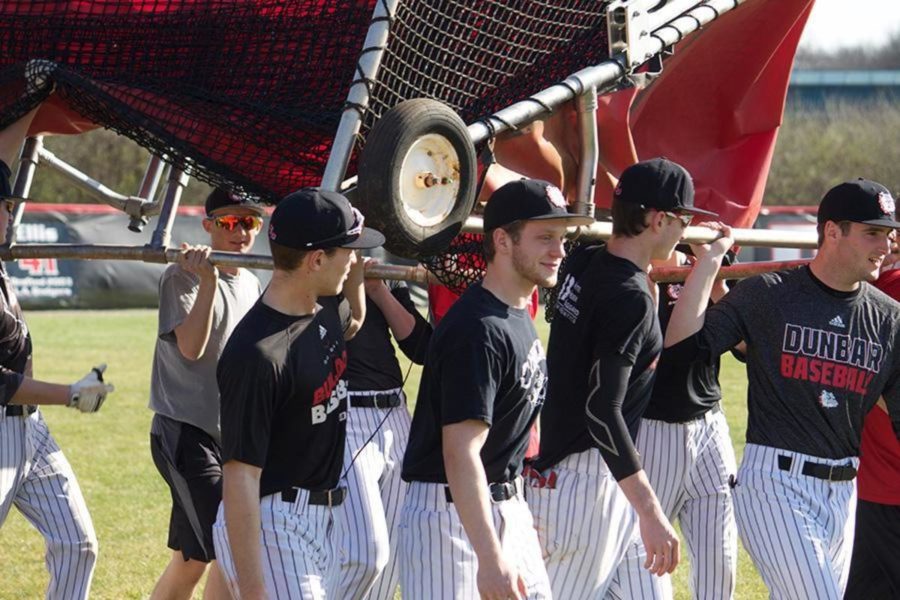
{"points": [[821, 349], [588, 491], [377, 433], [199, 306], [687, 455], [284, 405], [874, 566], [465, 529], [35, 477]]}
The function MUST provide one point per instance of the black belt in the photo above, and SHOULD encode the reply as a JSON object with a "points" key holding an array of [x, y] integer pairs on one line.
{"points": [[500, 492], [333, 497], [820, 471], [18, 410], [385, 400]]}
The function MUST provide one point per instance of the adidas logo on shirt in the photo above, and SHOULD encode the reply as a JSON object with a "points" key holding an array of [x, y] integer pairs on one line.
{"points": [[837, 321], [323, 332]]}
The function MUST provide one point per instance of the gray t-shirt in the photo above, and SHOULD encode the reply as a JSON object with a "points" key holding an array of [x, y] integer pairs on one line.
{"points": [[817, 359], [182, 389]]}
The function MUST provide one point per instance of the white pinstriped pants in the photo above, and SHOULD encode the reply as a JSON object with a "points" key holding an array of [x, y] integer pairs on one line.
{"points": [[690, 466], [297, 553], [37, 479], [436, 559], [589, 534], [366, 523], [797, 529]]}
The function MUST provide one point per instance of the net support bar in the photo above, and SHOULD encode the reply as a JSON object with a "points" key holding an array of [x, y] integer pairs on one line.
{"points": [[28, 163], [590, 155], [358, 96], [599, 77], [414, 273], [175, 185], [763, 238]]}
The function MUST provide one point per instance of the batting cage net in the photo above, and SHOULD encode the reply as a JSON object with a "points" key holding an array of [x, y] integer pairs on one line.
{"points": [[248, 94]]}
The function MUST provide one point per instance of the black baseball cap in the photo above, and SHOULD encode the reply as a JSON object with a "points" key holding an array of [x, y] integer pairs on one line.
{"points": [[222, 198], [528, 200], [859, 201], [661, 184], [312, 219]]}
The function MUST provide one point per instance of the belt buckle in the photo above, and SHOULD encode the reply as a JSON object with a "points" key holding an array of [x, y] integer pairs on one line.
{"points": [[830, 472], [328, 495], [504, 491], [376, 401]]}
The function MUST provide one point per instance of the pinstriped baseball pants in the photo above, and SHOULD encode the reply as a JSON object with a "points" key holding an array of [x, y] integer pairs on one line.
{"points": [[297, 553], [436, 559], [689, 466], [37, 479], [589, 534], [366, 523], [797, 529]]}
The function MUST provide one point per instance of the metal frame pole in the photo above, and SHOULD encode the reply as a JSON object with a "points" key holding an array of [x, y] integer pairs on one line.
{"points": [[762, 238], [175, 185], [600, 76], [358, 96], [416, 273], [590, 154], [28, 162]]}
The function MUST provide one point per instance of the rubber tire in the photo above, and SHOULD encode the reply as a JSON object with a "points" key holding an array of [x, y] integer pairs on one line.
{"points": [[378, 190]]}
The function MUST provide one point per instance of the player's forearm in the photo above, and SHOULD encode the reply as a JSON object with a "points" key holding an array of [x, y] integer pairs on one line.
{"points": [[32, 391], [603, 411], [192, 334], [398, 318], [468, 486], [355, 294], [240, 498], [640, 495], [690, 310]]}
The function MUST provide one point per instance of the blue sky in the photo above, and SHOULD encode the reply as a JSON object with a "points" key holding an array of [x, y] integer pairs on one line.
{"points": [[842, 23]]}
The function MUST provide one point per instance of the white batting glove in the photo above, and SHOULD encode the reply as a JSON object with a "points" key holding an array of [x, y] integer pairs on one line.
{"points": [[88, 393]]}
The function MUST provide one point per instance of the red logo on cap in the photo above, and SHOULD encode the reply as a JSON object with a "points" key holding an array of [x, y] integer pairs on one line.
{"points": [[271, 232], [556, 196], [885, 202]]}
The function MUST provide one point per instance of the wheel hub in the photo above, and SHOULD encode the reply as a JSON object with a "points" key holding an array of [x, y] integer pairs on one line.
{"points": [[429, 180]]}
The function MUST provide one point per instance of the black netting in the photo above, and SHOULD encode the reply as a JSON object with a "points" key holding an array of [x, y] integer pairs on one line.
{"points": [[243, 91], [461, 264], [478, 56], [250, 91]]}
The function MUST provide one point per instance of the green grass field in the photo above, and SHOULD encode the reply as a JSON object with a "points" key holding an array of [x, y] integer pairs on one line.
{"points": [[110, 453]]}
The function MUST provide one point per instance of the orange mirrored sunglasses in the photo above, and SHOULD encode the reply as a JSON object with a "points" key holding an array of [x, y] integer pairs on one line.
{"points": [[229, 222]]}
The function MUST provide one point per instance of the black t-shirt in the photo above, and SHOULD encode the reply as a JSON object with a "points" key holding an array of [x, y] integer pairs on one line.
{"points": [[15, 340], [604, 313], [284, 399], [485, 362], [373, 362], [817, 359], [684, 389]]}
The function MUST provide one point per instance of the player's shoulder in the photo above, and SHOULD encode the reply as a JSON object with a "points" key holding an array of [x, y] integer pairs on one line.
{"points": [[175, 275], [771, 282], [882, 301], [478, 317]]}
